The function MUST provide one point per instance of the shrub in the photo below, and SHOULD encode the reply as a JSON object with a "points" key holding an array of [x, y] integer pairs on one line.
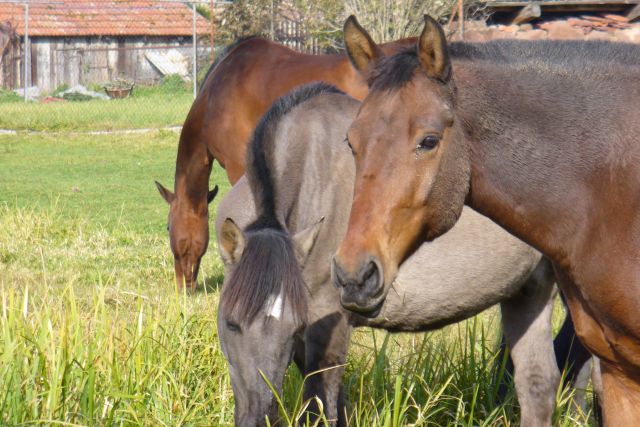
{"points": [[9, 96]]}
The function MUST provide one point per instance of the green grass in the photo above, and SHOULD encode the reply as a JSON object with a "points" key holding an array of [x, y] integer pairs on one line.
{"points": [[92, 331], [166, 104]]}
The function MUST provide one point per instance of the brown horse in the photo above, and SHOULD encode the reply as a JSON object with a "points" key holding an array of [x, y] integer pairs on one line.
{"points": [[548, 149], [238, 90]]}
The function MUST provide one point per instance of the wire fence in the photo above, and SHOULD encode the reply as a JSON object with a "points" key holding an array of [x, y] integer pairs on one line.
{"points": [[107, 64]]}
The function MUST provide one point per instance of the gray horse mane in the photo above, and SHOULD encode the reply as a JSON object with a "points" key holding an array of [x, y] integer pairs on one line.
{"points": [[268, 266]]}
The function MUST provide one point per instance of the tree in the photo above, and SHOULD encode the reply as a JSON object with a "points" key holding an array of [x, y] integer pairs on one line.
{"points": [[321, 20], [388, 20], [385, 20], [245, 18]]}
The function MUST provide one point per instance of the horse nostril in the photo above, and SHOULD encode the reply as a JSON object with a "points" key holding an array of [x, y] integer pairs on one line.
{"points": [[337, 274], [370, 276], [370, 271]]}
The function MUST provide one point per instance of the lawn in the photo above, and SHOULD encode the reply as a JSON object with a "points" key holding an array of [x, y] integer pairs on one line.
{"points": [[163, 105], [92, 331]]}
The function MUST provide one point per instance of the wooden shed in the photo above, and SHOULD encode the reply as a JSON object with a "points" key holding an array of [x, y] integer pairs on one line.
{"points": [[83, 41]]}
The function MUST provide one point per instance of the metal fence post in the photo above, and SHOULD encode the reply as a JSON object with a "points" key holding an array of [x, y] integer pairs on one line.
{"points": [[195, 54], [27, 50]]}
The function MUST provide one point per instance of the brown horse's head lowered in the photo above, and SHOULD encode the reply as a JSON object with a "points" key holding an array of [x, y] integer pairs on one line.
{"points": [[396, 208], [189, 236]]}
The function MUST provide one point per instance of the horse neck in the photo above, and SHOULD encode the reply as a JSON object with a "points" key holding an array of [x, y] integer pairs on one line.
{"points": [[532, 171], [335, 69], [193, 167], [315, 179]]}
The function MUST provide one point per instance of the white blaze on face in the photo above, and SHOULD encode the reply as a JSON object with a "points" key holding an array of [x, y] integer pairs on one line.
{"points": [[275, 307]]}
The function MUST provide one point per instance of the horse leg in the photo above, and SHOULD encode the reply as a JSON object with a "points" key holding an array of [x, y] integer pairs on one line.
{"points": [[571, 354], [327, 342], [590, 371], [620, 397], [596, 384], [574, 358], [526, 319]]}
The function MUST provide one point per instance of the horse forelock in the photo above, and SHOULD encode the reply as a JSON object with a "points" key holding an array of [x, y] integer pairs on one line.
{"points": [[394, 72], [267, 270]]}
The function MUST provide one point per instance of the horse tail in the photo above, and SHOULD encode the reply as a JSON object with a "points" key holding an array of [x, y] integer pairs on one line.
{"points": [[223, 54]]}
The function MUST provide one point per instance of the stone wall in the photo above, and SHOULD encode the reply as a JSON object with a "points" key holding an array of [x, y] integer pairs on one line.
{"points": [[604, 27]]}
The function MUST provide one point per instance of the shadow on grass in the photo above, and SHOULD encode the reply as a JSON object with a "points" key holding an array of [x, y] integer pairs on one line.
{"points": [[213, 283]]}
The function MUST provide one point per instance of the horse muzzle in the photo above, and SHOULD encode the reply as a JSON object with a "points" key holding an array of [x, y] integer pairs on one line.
{"points": [[362, 292]]}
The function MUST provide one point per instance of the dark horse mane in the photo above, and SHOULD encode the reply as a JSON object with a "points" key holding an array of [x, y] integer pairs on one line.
{"points": [[268, 266], [580, 57], [223, 54]]}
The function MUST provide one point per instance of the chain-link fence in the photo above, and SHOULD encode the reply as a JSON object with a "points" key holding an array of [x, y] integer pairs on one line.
{"points": [[108, 64], [81, 65]]}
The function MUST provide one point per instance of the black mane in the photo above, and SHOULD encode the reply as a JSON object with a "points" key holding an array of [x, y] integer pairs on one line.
{"points": [[268, 266], [576, 56], [395, 71], [259, 156]]}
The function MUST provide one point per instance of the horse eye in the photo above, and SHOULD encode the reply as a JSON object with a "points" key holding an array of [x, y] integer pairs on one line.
{"points": [[429, 142], [234, 327]]}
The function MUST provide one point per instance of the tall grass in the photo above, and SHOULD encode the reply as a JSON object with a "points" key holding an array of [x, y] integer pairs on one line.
{"points": [[92, 331]]}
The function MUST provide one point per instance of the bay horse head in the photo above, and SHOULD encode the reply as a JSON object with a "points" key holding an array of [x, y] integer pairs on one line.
{"points": [[262, 312], [188, 227], [412, 167]]}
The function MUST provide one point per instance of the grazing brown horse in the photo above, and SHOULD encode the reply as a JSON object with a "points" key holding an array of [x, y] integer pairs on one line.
{"points": [[548, 149], [238, 90]]}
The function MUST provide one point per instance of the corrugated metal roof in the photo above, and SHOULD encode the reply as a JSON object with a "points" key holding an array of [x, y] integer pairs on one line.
{"points": [[70, 18]]}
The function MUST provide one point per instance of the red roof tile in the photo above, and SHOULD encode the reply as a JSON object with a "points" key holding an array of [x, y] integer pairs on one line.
{"points": [[104, 18]]}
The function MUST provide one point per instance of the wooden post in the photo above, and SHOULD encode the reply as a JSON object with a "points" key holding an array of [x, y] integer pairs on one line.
{"points": [[528, 13], [634, 13]]}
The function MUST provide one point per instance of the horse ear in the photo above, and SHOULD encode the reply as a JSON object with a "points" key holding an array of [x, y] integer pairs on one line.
{"points": [[212, 194], [232, 242], [432, 50], [303, 241], [362, 50], [166, 194]]}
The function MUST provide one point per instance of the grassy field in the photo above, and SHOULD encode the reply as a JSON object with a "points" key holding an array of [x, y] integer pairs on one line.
{"points": [[149, 107], [93, 333]]}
